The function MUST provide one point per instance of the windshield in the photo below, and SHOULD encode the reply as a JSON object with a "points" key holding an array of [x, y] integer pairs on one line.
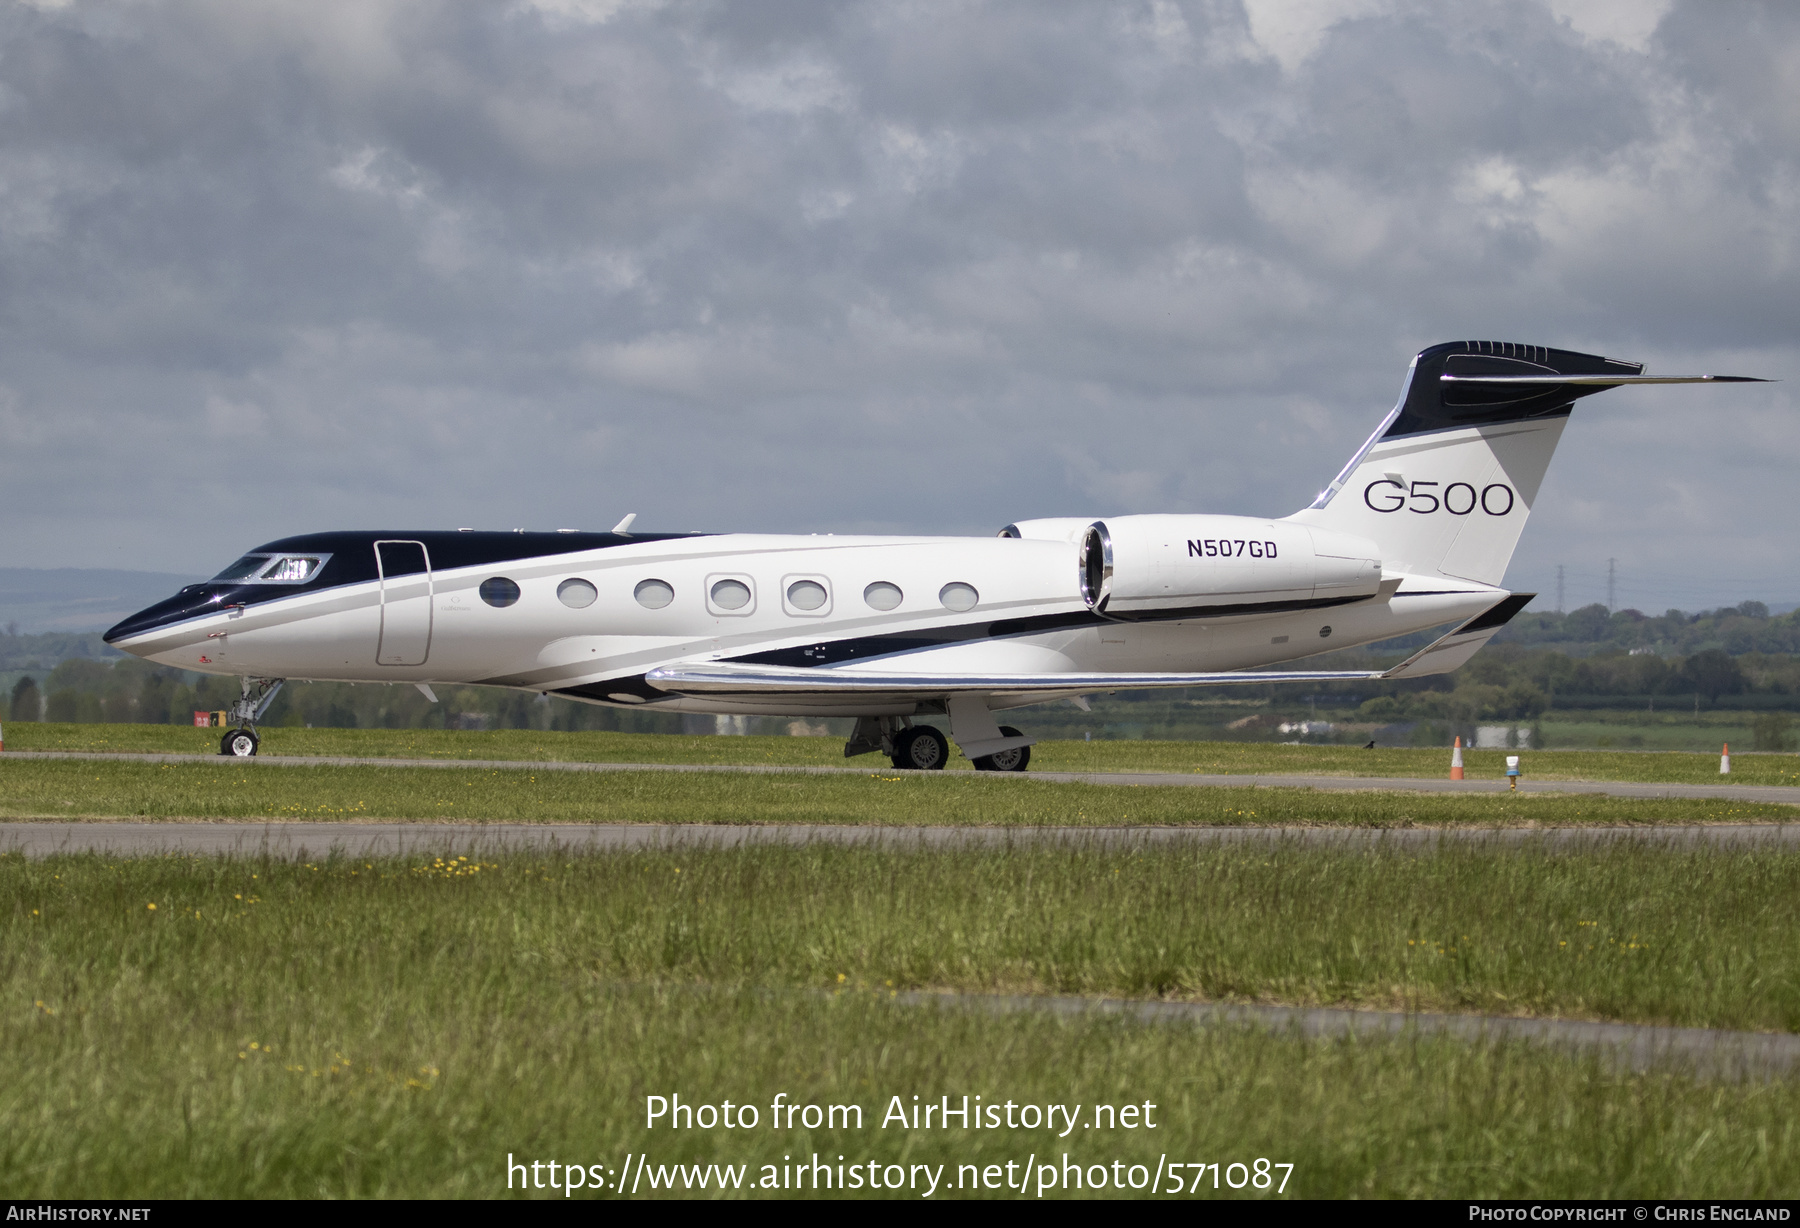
{"points": [[273, 569], [291, 569], [244, 568]]}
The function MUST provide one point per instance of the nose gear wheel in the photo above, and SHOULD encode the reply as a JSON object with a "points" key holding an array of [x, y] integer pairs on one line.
{"points": [[239, 743], [258, 694]]}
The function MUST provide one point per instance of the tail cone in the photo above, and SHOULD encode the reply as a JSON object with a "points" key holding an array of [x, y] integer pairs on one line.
{"points": [[1456, 763], [1725, 760]]}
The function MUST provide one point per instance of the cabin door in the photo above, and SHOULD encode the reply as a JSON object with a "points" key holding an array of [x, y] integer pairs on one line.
{"points": [[405, 570]]}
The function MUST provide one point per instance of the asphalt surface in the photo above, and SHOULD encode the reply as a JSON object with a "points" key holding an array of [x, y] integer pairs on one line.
{"points": [[302, 840], [1725, 791]]}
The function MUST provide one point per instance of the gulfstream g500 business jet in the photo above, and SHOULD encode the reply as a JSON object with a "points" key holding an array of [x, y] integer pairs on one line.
{"points": [[1414, 533]]}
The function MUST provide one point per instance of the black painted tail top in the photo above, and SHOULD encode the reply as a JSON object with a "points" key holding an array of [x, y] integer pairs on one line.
{"points": [[1432, 404]]}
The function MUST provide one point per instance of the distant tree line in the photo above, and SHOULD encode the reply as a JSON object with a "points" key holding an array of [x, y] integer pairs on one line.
{"points": [[1512, 682], [130, 690], [1734, 630], [43, 651], [1738, 657]]}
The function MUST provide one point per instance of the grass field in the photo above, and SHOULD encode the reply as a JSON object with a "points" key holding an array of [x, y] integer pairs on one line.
{"points": [[101, 789], [398, 1027], [220, 1027], [1231, 758]]}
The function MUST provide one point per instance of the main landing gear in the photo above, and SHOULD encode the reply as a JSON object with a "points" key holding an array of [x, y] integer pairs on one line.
{"points": [[1013, 760], [924, 748], [258, 694], [921, 749]]}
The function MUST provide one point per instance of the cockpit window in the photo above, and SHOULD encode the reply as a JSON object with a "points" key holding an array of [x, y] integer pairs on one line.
{"points": [[273, 569], [291, 569], [244, 568]]}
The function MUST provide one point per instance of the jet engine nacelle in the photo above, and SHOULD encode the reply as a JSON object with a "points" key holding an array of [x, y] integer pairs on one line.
{"points": [[1151, 565], [1050, 529]]}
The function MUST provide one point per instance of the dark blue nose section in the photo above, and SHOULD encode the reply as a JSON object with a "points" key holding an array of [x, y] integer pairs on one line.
{"points": [[191, 602]]}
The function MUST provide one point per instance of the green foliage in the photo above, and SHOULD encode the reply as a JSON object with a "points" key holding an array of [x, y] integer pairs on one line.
{"points": [[1712, 673], [27, 700], [42, 652], [1743, 628]]}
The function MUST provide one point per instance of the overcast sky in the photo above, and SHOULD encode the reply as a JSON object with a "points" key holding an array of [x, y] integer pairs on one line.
{"points": [[288, 266]]}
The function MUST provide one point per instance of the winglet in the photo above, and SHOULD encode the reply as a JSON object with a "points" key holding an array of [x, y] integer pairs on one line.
{"points": [[1447, 652]]}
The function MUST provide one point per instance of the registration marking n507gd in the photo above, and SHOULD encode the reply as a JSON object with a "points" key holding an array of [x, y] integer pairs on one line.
{"points": [[1222, 548]]}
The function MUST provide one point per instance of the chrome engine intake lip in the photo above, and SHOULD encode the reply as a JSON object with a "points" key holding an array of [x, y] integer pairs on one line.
{"points": [[1095, 567]]}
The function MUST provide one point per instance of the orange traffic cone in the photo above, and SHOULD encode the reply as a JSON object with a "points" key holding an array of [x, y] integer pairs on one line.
{"points": [[1725, 760], [1456, 766]]}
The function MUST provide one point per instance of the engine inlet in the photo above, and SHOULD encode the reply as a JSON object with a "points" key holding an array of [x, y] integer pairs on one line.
{"points": [[1096, 567]]}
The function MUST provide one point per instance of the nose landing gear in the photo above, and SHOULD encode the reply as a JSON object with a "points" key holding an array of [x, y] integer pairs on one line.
{"points": [[258, 694], [239, 743]]}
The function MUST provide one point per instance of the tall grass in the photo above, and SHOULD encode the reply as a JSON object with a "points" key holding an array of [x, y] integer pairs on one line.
{"points": [[1699, 937], [398, 1027]]}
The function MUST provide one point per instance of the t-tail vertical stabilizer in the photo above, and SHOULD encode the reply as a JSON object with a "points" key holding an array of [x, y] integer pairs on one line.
{"points": [[1446, 482]]}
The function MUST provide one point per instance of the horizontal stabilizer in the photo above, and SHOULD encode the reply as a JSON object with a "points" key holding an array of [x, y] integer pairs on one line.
{"points": [[728, 679], [1602, 381]]}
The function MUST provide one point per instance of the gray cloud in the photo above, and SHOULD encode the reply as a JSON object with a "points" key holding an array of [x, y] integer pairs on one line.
{"points": [[272, 268]]}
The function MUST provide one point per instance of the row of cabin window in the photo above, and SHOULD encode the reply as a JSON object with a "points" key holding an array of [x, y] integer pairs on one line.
{"points": [[729, 594]]}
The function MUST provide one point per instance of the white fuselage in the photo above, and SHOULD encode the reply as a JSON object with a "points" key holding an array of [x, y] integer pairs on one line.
{"points": [[1028, 618]]}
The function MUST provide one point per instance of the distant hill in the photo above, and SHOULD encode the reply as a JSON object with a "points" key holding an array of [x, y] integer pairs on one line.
{"points": [[37, 600]]}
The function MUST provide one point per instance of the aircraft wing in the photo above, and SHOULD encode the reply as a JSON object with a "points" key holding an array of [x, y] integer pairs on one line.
{"points": [[718, 678]]}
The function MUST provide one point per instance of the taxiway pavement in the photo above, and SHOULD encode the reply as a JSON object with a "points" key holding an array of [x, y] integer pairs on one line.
{"points": [[348, 838]]}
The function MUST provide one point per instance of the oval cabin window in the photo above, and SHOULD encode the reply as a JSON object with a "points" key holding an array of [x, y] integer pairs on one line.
{"points": [[731, 594], [654, 594], [806, 594], [499, 592], [576, 594], [959, 597], [882, 596]]}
